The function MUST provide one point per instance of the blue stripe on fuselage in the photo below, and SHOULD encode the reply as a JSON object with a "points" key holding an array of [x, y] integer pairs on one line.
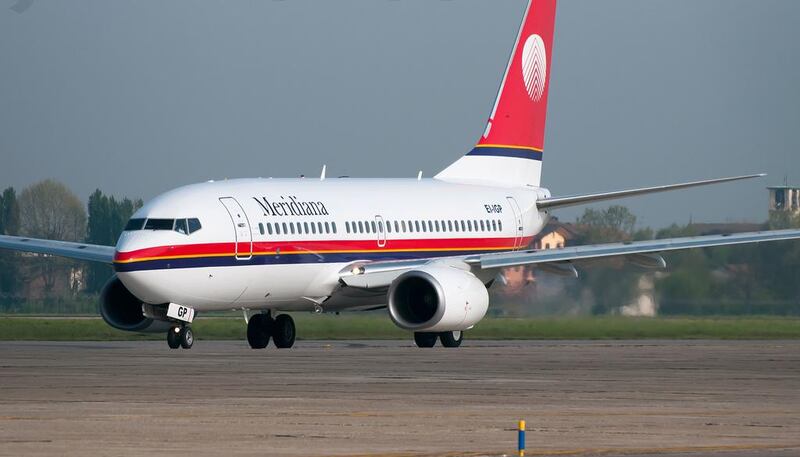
{"points": [[506, 152]]}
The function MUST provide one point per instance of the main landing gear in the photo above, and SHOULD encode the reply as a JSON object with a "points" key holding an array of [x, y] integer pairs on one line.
{"points": [[448, 339], [180, 337], [262, 327]]}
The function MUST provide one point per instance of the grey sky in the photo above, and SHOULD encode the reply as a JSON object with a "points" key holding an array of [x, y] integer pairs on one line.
{"points": [[137, 97]]}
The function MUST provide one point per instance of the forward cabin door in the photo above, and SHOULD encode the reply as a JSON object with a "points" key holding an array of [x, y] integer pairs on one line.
{"points": [[380, 225], [518, 227], [241, 228]]}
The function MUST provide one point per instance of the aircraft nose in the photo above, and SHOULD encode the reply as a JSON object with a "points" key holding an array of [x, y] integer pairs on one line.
{"points": [[128, 247]]}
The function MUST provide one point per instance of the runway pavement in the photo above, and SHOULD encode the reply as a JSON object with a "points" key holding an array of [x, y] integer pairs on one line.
{"points": [[685, 398]]}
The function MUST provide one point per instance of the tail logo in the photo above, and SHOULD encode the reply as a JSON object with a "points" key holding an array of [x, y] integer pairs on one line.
{"points": [[534, 66]]}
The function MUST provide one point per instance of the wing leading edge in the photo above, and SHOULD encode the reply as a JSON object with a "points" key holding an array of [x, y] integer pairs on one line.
{"points": [[78, 251]]}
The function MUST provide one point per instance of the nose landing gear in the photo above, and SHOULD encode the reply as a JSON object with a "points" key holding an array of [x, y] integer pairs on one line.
{"points": [[180, 337]]}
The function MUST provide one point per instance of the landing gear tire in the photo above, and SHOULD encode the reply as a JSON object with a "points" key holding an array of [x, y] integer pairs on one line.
{"points": [[186, 337], [425, 339], [283, 331], [259, 330], [451, 339], [174, 337]]}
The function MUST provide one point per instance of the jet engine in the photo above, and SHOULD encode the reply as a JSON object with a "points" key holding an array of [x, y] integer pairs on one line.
{"points": [[437, 298], [122, 310]]}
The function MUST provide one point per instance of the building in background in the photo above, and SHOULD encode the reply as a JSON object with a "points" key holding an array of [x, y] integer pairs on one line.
{"points": [[554, 235], [784, 198]]}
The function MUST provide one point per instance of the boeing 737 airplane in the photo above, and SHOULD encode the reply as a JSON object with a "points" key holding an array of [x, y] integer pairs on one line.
{"points": [[426, 249]]}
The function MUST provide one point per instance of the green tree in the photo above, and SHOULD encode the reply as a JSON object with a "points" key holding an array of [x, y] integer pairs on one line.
{"points": [[9, 225], [609, 282], [107, 218], [49, 210], [615, 223], [747, 279]]}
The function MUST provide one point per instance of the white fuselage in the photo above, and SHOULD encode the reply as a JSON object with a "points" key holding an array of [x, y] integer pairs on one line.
{"points": [[281, 243]]}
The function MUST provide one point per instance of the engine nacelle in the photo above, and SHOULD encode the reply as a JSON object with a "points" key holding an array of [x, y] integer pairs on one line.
{"points": [[437, 298], [122, 310]]}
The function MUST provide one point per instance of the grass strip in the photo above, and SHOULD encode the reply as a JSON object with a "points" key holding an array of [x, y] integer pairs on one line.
{"points": [[375, 327]]}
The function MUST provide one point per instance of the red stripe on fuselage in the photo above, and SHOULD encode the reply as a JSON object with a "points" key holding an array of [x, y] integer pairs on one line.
{"points": [[306, 246]]}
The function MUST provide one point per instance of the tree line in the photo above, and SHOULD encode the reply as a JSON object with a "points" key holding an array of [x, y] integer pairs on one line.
{"points": [[751, 279], [49, 210]]}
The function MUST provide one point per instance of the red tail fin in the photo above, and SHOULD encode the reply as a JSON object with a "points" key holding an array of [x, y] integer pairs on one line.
{"points": [[516, 126]]}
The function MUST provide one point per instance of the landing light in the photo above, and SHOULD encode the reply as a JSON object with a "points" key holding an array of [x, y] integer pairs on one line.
{"points": [[357, 271]]}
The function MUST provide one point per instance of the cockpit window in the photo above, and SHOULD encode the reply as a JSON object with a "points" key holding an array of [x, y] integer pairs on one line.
{"points": [[180, 226], [159, 224], [134, 224], [194, 225]]}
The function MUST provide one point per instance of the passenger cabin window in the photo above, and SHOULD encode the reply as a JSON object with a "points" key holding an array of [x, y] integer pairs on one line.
{"points": [[134, 224]]}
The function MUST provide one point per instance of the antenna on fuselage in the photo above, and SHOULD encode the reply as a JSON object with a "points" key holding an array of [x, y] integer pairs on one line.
{"points": [[419, 176], [322, 175]]}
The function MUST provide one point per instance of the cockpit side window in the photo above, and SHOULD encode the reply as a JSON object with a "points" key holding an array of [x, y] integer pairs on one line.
{"points": [[180, 226], [159, 224], [194, 225], [134, 224]]}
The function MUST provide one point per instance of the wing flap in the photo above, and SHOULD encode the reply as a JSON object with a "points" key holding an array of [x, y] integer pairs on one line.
{"points": [[78, 251]]}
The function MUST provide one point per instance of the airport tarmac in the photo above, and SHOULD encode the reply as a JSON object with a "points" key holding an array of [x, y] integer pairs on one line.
{"points": [[667, 398]]}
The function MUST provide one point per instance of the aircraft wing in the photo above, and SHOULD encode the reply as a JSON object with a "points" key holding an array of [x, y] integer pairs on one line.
{"points": [[370, 275], [599, 251], [79, 251]]}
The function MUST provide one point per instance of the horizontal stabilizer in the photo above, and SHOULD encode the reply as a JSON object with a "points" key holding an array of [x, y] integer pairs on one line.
{"points": [[560, 202]]}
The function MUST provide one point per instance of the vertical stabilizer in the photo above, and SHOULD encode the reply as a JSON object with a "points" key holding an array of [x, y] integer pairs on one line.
{"points": [[510, 151]]}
